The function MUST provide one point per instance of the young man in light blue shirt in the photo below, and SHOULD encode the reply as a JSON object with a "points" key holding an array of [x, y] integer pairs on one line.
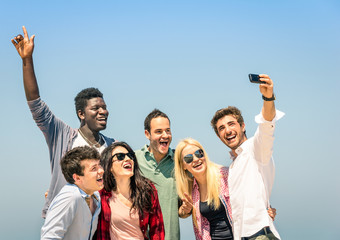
{"points": [[73, 213]]}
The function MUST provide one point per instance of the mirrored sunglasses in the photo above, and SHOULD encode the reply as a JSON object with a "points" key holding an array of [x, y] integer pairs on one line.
{"points": [[190, 157], [121, 156]]}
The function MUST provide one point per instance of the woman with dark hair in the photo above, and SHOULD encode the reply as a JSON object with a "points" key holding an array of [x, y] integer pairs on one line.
{"points": [[130, 206]]}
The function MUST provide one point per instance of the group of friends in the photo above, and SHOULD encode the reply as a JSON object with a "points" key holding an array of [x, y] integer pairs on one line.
{"points": [[102, 189]]}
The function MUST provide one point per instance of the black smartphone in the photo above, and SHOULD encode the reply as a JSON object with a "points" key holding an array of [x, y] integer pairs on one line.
{"points": [[255, 78]]}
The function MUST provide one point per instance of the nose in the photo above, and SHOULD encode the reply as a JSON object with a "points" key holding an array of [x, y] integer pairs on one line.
{"points": [[100, 170], [228, 130], [165, 134], [103, 111]]}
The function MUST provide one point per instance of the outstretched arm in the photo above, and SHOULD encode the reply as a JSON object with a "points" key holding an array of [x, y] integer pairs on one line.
{"points": [[25, 46], [268, 110]]}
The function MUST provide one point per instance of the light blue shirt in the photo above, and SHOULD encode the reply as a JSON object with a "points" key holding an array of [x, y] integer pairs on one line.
{"points": [[69, 216]]}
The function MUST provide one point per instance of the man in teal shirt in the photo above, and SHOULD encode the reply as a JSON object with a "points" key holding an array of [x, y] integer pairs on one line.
{"points": [[156, 163]]}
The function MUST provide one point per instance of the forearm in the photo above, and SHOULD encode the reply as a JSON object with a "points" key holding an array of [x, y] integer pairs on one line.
{"points": [[268, 110], [30, 81]]}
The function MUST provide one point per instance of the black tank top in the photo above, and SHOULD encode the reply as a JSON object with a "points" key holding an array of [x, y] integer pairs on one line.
{"points": [[219, 225]]}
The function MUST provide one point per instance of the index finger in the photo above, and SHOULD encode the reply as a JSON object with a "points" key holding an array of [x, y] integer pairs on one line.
{"points": [[263, 76], [25, 32]]}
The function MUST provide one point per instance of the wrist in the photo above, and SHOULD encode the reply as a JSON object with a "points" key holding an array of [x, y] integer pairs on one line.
{"points": [[272, 98]]}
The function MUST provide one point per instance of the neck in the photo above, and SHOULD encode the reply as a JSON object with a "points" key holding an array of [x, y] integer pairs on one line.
{"points": [[86, 191], [123, 186], [89, 134], [234, 150], [158, 156], [92, 138], [202, 183], [201, 180]]}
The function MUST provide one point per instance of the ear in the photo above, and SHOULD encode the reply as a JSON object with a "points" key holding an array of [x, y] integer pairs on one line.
{"points": [[147, 134], [81, 114], [76, 178], [243, 127]]}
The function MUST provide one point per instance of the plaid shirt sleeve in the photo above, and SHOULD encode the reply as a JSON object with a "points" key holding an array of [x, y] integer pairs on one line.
{"points": [[153, 220], [103, 227]]}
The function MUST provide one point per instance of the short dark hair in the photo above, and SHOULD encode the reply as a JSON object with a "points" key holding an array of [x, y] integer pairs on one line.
{"points": [[80, 100], [154, 114], [71, 162], [231, 110]]}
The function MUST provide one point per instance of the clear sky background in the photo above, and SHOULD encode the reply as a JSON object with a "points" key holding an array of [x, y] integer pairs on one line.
{"points": [[187, 58]]}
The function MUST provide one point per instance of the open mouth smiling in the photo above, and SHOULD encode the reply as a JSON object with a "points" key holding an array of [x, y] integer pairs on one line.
{"points": [[102, 119], [164, 143], [230, 138], [127, 166], [196, 165]]}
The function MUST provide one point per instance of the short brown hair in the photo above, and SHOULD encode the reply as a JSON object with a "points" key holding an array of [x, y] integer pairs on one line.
{"points": [[231, 110], [71, 162], [154, 114]]}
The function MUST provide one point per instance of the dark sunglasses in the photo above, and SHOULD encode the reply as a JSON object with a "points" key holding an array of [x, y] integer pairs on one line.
{"points": [[190, 157], [121, 156]]}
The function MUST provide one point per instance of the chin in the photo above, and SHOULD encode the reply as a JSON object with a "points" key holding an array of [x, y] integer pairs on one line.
{"points": [[102, 127]]}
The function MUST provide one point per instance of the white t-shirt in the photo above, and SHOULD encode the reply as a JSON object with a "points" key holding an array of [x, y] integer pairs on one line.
{"points": [[251, 178], [80, 141]]}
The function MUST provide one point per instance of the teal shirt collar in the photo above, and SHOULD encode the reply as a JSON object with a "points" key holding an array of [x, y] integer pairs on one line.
{"points": [[148, 155]]}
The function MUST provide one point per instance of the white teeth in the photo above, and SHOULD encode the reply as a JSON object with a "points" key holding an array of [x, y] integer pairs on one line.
{"points": [[127, 166], [197, 165]]}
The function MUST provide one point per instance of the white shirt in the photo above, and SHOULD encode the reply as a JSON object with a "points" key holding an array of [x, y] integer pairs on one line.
{"points": [[69, 217], [79, 141], [251, 178]]}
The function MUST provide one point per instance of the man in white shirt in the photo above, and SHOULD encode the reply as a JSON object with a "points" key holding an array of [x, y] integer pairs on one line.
{"points": [[73, 213], [251, 175]]}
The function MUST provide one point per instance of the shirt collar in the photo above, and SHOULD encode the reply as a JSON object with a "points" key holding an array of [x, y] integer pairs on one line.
{"points": [[238, 151], [84, 194], [149, 155]]}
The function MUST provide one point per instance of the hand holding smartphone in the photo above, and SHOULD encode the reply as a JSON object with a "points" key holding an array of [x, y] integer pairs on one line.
{"points": [[255, 78]]}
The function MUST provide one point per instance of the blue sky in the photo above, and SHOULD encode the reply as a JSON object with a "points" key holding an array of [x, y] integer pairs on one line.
{"points": [[187, 58]]}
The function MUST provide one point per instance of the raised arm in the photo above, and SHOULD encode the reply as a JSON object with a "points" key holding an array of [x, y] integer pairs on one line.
{"points": [[25, 46], [268, 110]]}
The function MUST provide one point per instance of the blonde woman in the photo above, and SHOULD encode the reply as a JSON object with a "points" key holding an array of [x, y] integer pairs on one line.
{"points": [[204, 184]]}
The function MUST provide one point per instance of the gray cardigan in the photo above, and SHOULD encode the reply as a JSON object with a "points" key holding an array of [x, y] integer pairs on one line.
{"points": [[59, 138]]}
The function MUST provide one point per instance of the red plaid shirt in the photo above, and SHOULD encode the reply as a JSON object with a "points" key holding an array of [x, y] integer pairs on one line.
{"points": [[202, 230], [152, 220]]}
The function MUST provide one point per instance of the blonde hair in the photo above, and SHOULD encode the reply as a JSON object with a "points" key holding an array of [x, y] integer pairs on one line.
{"points": [[184, 180]]}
